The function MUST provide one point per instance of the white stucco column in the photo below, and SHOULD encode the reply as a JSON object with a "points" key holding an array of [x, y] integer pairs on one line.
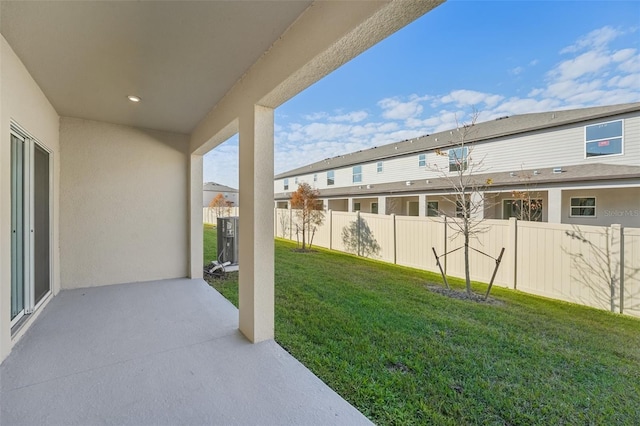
{"points": [[422, 205], [350, 204], [382, 205], [196, 243], [477, 205], [256, 251], [554, 208]]}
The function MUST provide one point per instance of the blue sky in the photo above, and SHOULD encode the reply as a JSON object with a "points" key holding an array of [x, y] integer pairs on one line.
{"points": [[499, 57]]}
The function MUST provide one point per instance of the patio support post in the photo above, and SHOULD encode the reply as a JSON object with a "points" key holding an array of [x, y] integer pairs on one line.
{"points": [[422, 205], [256, 249], [554, 200], [382, 205], [196, 243]]}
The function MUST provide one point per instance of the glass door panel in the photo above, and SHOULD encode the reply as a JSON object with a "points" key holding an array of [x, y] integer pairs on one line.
{"points": [[41, 223], [17, 226]]}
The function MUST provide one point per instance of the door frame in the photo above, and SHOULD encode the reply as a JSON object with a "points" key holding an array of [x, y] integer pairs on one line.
{"points": [[30, 305]]}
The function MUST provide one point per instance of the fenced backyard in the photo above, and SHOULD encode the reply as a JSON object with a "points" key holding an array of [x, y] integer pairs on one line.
{"points": [[590, 265]]}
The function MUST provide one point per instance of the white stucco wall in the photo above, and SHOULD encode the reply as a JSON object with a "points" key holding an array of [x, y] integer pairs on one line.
{"points": [[123, 204], [22, 101]]}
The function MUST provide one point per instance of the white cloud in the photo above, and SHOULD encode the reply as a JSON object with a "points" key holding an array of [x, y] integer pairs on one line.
{"points": [[353, 117], [586, 63], [596, 39], [516, 70], [394, 109], [471, 98], [533, 63], [315, 116]]}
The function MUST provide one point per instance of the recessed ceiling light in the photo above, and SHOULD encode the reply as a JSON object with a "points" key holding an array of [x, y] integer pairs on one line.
{"points": [[133, 98]]}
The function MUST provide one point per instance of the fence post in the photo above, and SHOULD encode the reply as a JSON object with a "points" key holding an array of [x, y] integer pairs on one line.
{"points": [[617, 261], [330, 229], [395, 242], [512, 247], [444, 242]]}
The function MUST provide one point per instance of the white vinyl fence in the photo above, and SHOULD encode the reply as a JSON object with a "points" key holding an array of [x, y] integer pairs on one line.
{"points": [[590, 265], [210, 214]]}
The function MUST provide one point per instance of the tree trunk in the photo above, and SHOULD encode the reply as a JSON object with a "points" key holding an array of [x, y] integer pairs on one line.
{"points": [[467, 275]]}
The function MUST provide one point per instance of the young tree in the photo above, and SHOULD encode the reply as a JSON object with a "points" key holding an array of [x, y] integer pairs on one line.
{"points": [[308, 211], [220, 206], [468, 191]]}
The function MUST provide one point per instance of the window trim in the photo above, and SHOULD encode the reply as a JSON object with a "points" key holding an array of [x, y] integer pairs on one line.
{"points": [[585, 141], [376, 209], [464, 162], [285, 184], [437, 209], [595, 207], [380, 166], [521, 200], [422, 160], [356, 177], [359, 206], [331, 177]]}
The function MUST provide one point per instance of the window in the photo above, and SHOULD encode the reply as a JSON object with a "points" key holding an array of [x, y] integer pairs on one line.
{"points": [[315, 177], [356, 207], [603, 139], [374, 208], [422, 160], [583, 207], [432, 208], [286, 184], [357, 174], [379, 166], [458, 159], [523, 209], [330, 177], [295, 181]]}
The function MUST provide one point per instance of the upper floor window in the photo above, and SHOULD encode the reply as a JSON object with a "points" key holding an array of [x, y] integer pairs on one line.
{"points": [[583, 206], [357, 174], [286, 184], [379, 166], [295, 181], [315, 177], [331, 177], [458, 159], [603, 139], [422, 160]]}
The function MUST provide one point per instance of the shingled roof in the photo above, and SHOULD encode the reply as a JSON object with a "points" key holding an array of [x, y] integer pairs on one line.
{"points": [[500, 127]]}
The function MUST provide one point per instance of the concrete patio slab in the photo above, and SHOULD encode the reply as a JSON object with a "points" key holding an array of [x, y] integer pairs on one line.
{"points": [[157, 353]]}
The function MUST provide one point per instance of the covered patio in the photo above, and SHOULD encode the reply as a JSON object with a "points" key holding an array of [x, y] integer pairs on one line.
{"points": [[157, 353]]}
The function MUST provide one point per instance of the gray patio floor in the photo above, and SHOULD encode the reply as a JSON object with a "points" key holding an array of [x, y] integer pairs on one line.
{"points": [[156, 353]]}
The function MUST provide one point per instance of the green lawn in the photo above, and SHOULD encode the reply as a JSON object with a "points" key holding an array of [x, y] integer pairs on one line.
{"points": [[404, 355]]}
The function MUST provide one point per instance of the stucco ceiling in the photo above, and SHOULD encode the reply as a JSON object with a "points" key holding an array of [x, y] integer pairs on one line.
{"points": [[180, 57]]}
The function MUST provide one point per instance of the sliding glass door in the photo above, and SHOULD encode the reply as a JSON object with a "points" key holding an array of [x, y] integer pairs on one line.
{"points": [[30, 224]]}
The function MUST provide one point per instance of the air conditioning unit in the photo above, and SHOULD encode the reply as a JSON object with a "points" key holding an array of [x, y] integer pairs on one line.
{"points": [[228, 239]]}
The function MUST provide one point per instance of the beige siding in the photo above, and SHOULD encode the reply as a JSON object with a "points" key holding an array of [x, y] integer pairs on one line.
{"points": [[127, 189], [613, 205]]}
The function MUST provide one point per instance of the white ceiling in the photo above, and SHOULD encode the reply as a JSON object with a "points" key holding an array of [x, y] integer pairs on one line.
{"points": [[180, 57]]}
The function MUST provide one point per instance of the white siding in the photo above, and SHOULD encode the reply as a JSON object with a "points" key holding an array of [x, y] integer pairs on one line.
{"points": [[563, 146]]}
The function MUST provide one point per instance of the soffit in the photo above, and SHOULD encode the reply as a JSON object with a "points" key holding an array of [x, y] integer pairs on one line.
{"points": [[180, 57]]}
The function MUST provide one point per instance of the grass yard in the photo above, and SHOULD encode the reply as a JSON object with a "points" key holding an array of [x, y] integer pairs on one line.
{"points": [[404, 355]]}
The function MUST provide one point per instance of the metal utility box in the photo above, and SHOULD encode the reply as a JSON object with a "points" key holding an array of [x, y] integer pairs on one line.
{"points": [[228, 239]]}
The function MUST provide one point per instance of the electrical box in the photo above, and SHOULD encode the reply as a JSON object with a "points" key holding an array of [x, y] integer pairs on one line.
{"points": [[228, 240]]}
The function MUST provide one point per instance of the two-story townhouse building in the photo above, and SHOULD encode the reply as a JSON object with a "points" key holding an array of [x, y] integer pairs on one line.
{"points": [[580, 166]]}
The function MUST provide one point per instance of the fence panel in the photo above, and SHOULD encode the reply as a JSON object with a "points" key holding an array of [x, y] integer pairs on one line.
{"points": [[415, 238], [565, 262], [283, 223], [490, 238], [340, 221], [632, 271], [377, 237], [209, 215], [322, 236]]}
